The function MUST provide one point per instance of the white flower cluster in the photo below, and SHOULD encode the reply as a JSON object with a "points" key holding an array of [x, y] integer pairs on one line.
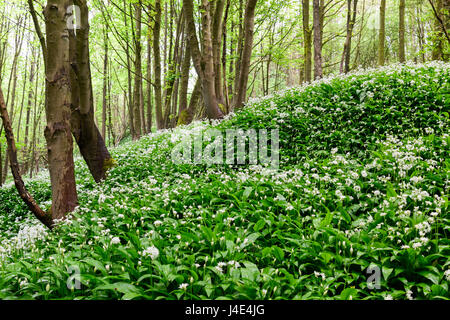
{"points": [[151, 252]]}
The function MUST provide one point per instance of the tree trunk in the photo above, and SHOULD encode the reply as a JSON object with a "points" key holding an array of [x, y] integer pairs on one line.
{"points": [[137, 74], [249, 21], [157, 65], [149, 84], [239, 50], [307, 33], [28, 111], [44, 217], [83, 127], [441, 24], [382, 33], [187, 116], [317, 16], [174, 62], [217, 32], [85, 131], [186, 66], [58, 96], [105, 82], [351, 19], [203, 60], [401, 32]]}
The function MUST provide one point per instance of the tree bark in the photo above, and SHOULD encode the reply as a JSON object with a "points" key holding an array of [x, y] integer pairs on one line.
{"points": [[217, 32], [203, 60], [381, 35], [401, 32], [157, 65], [105, 82], [249, 21], [28, 111], [307, 34], [186, 66], [149, 79], [187, 116], [58, 96], [317, 16], [351, 19], [441, 25], [137, 74], [41, 215], [85, 131]]}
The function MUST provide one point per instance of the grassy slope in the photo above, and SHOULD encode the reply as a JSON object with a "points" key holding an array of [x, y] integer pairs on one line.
{"points": [[363, 182]]}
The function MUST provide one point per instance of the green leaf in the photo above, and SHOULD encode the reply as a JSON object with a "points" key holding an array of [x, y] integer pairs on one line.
{"points": [[386, 272], [390, 190], [349, 293], [278, 253], [430, 276], [247, 192], [259, 225]]}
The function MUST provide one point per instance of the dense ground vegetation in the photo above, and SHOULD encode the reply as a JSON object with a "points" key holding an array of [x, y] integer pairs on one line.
{"points": [[363, 183]]}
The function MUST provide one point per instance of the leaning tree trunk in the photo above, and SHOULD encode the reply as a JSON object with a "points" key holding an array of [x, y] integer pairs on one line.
{"points": [[87, 135], [43, 216], [58, 96]]}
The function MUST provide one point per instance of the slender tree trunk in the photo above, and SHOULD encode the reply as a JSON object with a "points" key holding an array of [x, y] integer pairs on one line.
{"points": [[19, 125], [172, 71], [307, 34], [187, 116], [157, 65], [186, 66], [137, 74], [382, 32], [217, 32], [127, 51], [351, 19], [105, 82], [358, 44], [149, 84], [420, 32], [401, 32], [249, 21], [318, 72], [239, 49], [44, 217], [12, 92], [224, 58], [28, 111]]}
